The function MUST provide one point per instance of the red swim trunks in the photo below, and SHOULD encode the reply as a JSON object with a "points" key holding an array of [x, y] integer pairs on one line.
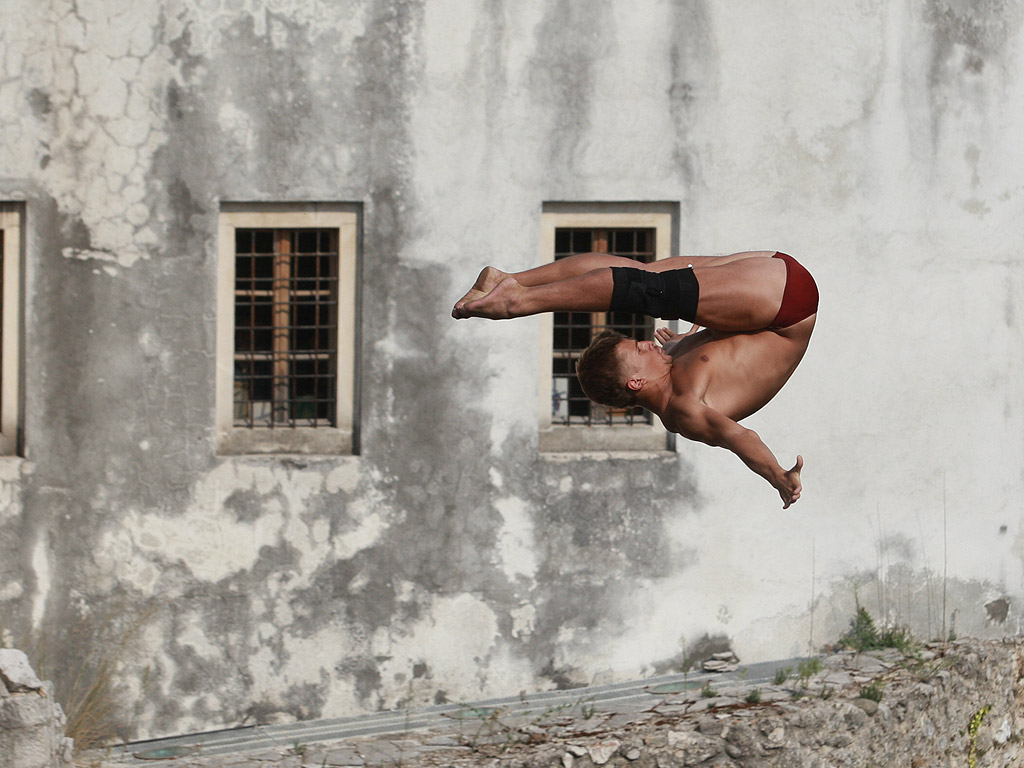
{"points": [[800, 298]]}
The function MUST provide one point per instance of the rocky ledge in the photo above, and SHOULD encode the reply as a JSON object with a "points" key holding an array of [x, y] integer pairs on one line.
{"points": [[940, 705], [955, 704]]}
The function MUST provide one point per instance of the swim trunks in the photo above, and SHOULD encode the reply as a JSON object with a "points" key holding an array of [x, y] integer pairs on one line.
{"points": [[800, 297]]}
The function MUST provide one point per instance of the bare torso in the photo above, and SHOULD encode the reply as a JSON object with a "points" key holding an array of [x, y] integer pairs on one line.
{"points": [[736, 374]]}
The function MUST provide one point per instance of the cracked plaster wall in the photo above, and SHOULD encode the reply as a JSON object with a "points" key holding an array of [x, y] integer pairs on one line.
{"points": [[877, 142]]}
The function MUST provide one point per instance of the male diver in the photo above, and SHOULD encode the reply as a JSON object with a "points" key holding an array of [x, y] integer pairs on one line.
{"points": [[757, 309]]}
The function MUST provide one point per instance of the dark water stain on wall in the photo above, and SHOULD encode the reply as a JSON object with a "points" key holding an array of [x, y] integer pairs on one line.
{"points": [[562, 80], [694, 81], [271, 83], [968, 38], [486, 66], [998, 609], [984, 26], [39, 102]]}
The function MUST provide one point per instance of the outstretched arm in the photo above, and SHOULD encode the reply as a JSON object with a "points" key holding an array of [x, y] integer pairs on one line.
{"points": [[707, 425]]}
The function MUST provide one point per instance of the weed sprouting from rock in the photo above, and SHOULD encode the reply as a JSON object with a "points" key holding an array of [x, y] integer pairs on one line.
{"points": [[782, 675], [808, 669], [873, 691], [864, 635]]}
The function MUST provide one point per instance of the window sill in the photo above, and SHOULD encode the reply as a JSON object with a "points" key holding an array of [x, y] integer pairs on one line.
{"points": [[295, 442], [600, 439]]}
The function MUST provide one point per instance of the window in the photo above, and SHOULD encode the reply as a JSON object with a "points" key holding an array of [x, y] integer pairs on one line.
{"points": [[286, 346], [286, 323], [10, 331], [573, 331], [569, 420]]}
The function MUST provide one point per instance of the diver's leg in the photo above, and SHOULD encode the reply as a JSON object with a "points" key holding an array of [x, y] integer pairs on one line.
{"points": [[738, 294], [589, 292]]}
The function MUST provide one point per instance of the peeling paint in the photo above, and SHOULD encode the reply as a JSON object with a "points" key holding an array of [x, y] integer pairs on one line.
{"points": [[516, 545], [41, 569], [524, 621]]}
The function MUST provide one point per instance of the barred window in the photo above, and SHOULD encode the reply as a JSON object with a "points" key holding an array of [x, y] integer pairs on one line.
{"points": [[286, 302], [573, 331], [568, 422], [286, 328]]}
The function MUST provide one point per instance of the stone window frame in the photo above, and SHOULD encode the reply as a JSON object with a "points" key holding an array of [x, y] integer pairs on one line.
{"points": [[338, 439], [597, 438], [12, 226]]}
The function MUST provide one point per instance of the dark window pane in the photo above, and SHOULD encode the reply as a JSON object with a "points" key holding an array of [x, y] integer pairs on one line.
{"points": [[579, 403], [561, 323], [263, 241], [303, 314], [623, 241], [304, 266], [581, 241], [306, 240], [645, 242], [243, 268], [255, 376], [563, 241], [262, 314], [243, 340], [304, 339], [324, 315], [263, 340], [581, 331], [263, 266]]}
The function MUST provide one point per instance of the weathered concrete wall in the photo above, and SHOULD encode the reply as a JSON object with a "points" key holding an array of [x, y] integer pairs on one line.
{"points": [[449, 558]]}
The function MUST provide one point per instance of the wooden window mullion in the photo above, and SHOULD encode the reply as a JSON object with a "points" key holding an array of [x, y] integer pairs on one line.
{"points": [[281, 322], [599, 244]]}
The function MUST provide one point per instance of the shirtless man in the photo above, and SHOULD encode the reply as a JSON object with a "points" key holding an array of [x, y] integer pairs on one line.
{"points": [[758, 309]]}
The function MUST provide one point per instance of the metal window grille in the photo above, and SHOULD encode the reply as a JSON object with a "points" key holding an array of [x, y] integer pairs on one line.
{"points": [[286, 340], [573, 331]]}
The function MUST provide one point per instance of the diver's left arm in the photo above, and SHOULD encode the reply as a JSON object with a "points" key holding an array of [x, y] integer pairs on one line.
{"points": [[703, 423]]}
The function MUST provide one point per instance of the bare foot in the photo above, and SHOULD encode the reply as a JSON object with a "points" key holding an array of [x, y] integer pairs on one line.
{"points": [[486, 281], [500, 303]]}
